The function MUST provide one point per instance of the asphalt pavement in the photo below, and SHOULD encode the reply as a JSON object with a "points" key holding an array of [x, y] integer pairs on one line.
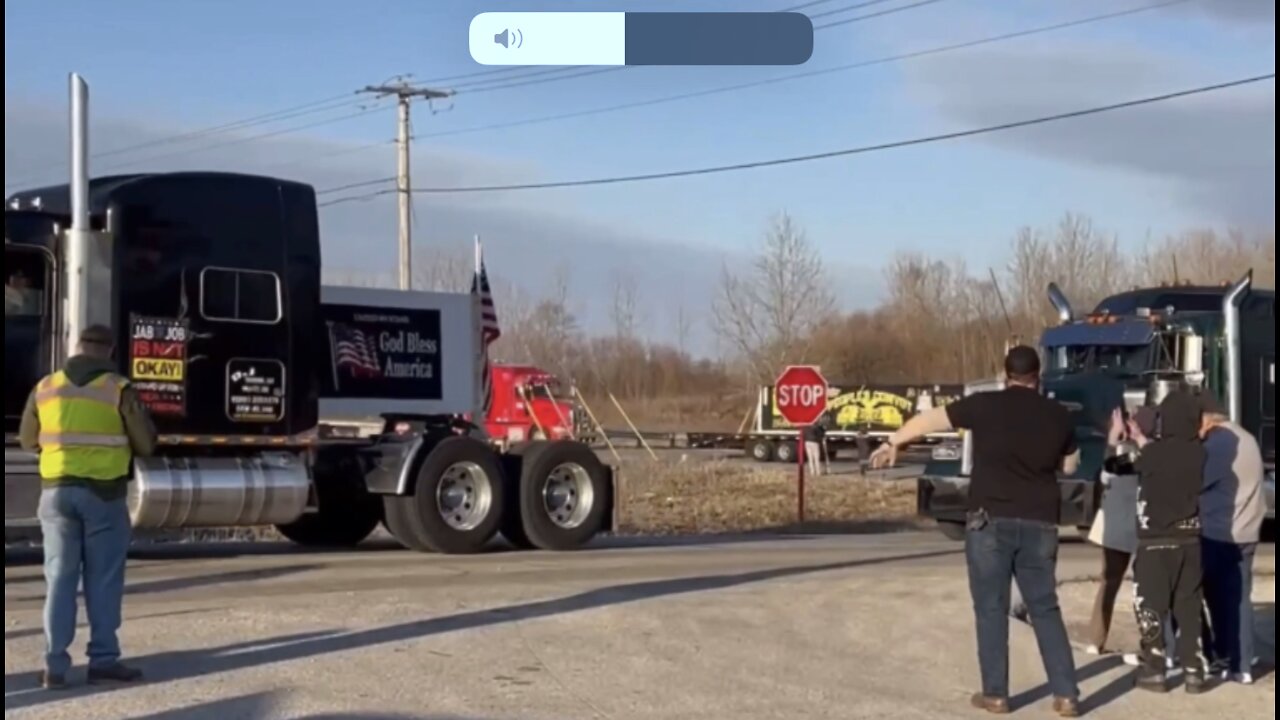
{"points": [[750, 628]]}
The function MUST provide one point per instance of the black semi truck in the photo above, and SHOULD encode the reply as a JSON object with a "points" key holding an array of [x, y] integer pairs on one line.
{"points": [[323, 411], [1131, 347]]}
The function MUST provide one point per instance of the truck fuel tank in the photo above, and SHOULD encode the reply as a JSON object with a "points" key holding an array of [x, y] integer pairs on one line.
{"points": [[185, 492]]}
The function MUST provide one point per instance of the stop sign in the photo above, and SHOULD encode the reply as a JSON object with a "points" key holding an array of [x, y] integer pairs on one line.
{"points": [[801, 395]]}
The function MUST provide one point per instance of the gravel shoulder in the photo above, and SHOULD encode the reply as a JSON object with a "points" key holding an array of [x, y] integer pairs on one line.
{"points": [[751, 627]]}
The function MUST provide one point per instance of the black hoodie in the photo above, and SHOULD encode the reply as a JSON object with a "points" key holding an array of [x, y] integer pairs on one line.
{"points": [[1170, 473]]}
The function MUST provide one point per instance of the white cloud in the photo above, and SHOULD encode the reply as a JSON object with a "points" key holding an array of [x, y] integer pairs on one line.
{"points": [[1217, 151], [1261, 12]]}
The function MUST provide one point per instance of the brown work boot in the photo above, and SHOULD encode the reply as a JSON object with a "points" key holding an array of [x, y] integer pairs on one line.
{"points": [[117, 673], [995, 706], [1066, 707]]}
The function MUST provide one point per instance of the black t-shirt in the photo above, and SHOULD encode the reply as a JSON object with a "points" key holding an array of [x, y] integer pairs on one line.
{"points": [[1019, 441]]}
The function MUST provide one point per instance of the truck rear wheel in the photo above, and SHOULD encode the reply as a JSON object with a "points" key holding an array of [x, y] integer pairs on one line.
{"points": [[565, 495], [761, 451], [346, 513], [786, 452], [457, 504]]}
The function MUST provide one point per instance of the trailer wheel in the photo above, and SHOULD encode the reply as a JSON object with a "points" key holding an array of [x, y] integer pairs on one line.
{"points": [[761, 451], [786, 452], [458, 501], [346, 514], [565, 495]]}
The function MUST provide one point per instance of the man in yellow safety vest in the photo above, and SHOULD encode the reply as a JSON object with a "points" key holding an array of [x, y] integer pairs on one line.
{"points": [[87, 424]]}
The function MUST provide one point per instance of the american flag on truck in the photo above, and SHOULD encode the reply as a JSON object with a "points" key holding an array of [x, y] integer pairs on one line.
{"points": [[490, 331]]}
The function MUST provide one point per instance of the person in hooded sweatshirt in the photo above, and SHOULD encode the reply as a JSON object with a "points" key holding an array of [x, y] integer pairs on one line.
{"points": [[87, 424], [1168, 578]]}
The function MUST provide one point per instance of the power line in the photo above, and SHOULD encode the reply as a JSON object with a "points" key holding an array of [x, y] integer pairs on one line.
{"points": [[288, 113], [251, 138], [355, 186], [812, 73], [814, 16], [807, 5], [874, 15], [866, 149], [530, 74], [864, 5], [578, 73], [114, 165]]}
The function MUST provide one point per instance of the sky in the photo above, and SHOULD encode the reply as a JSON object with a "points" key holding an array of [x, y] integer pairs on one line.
{"points": [[160, 69]]}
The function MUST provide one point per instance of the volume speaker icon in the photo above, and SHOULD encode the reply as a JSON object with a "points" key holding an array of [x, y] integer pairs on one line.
{"points": [[509, 38]]}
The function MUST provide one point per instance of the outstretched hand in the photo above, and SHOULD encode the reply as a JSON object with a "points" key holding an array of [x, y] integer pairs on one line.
{"points": [[1116, 433], [885, 456]]}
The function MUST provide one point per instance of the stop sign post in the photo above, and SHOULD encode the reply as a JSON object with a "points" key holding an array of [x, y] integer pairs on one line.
{"points": [[801, 397]]}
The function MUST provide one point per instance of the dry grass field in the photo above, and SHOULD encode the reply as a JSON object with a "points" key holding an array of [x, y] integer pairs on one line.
{"points": [[727, 497]]}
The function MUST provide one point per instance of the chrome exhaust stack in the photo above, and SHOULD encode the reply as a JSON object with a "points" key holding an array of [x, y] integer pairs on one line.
{"points": [[79, 236], [1065, 316], [1231, 320], [1061, 304], [87, 257]]}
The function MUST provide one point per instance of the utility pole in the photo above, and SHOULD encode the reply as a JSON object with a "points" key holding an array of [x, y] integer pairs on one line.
{"points": [[405, 94]]}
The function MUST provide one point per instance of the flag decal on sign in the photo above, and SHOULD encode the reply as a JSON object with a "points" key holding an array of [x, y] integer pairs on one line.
{"points": [[489, 329], [354, 350]]}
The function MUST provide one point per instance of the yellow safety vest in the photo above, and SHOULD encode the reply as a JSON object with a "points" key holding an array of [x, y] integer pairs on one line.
{"points": [[82, 434]]}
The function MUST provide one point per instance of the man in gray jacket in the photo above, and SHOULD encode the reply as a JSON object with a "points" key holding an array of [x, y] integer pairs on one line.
{"points": [[1232, 510]]}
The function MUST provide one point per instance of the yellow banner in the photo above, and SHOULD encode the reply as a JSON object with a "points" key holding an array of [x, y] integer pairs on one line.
{"points": [[152, 369]]}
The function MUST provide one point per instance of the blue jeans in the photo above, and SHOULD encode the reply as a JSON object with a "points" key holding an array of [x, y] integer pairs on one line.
{"points": [[84, 537], [1228, 591], [1025, 551]]}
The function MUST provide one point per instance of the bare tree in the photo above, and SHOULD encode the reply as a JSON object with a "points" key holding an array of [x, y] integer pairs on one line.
{"points": [[625, 310], [769, 313], [440, 269]]}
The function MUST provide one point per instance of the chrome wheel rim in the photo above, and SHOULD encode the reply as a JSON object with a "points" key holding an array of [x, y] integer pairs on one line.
{"points": [[568, 496], [464, 497]]}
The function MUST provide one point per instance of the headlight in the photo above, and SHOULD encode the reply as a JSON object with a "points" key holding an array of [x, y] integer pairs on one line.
{"points": [[946, 453]]}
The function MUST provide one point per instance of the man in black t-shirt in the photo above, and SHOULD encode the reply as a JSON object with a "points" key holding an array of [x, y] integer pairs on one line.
{"points": [[1021, 442]]}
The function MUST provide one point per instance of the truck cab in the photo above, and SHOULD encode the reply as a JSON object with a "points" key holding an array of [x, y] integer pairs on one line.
{"points": [[530, 404], [1218, 339]]}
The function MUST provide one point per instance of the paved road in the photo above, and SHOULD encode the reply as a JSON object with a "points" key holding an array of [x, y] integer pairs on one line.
{"points": [[750, 628]]}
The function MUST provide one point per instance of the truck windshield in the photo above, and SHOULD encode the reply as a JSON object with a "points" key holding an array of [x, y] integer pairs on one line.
{"points": [[547, 390], [1109, 359]]}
